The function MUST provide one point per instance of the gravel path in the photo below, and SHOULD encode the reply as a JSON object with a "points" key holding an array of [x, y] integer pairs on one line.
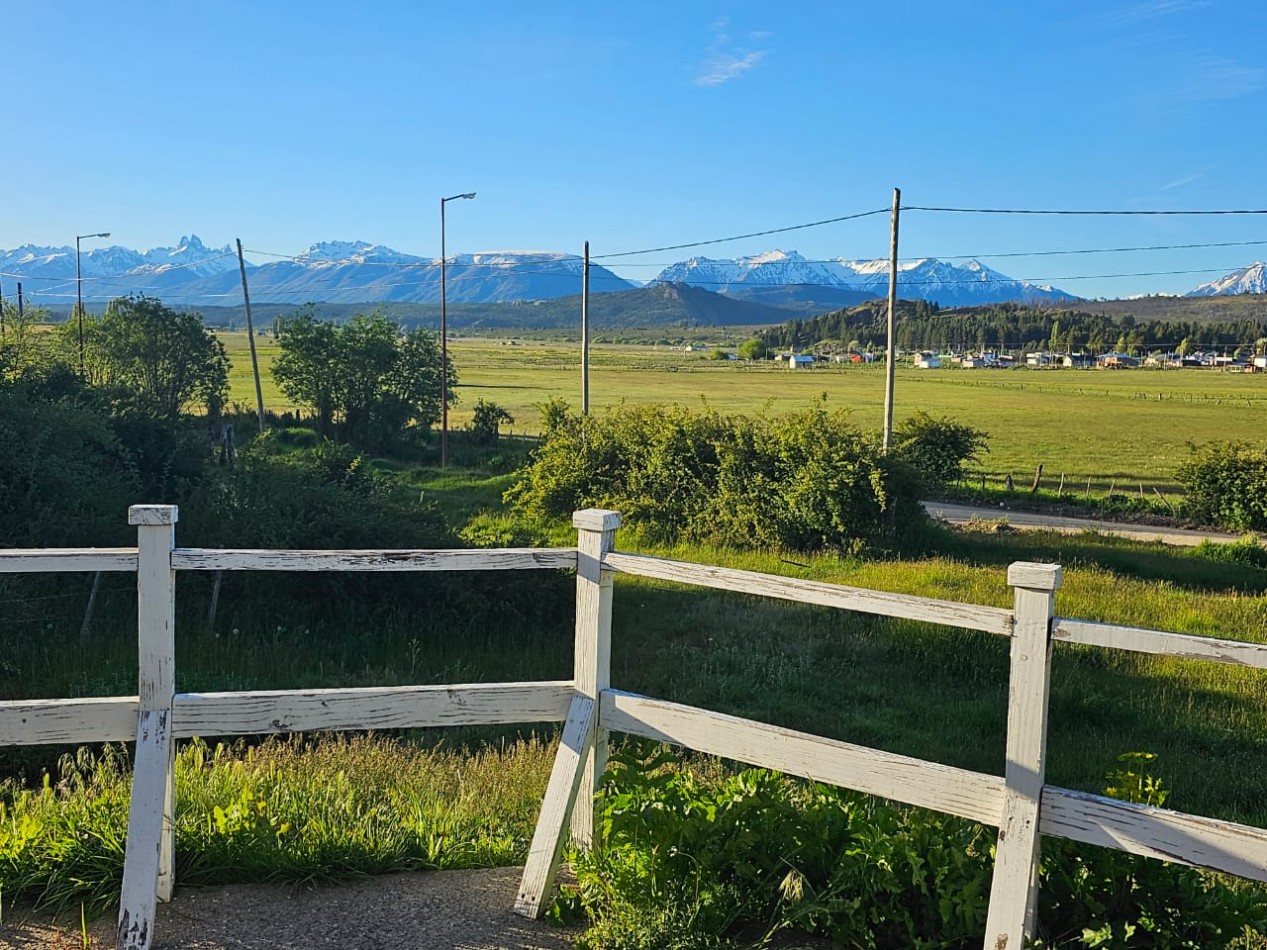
{"points": [[1032, 521], [438, 910]]}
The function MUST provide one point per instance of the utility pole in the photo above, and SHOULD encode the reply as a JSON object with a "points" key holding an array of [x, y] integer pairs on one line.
{"points": [[585, 333], [1, 315], [250, 336], [444, 338], [891, 348], [19, 301]]}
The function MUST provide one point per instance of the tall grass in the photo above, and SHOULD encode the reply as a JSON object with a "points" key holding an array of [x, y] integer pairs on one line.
{"points": [[292, 809]]}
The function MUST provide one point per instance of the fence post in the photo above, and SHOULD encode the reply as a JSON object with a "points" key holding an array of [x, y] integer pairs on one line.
{"points": [[148, 869], [596, 534], [1014, 890]]}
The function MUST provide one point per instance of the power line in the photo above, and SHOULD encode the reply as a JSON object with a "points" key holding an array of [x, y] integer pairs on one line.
{"points": [[740, 237], [1075, 212]]}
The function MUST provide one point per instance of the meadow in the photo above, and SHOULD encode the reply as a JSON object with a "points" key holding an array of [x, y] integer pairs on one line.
{"points": [[906, 687], [1102, 428]]}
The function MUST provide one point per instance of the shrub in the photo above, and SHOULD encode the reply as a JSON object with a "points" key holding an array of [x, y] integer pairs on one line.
{"points": [[1226, 484], [937, 448], [486, 422], [691, 862], [805, 481]]}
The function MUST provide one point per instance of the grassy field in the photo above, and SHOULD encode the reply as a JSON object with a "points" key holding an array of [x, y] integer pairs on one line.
{"points": [[1123, 428]]}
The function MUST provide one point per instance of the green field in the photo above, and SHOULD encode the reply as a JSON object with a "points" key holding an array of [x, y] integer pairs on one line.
{"points": [[1123, 427]]}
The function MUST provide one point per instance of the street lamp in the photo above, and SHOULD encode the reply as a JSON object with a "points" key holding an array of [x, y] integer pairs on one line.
{"points": [[444, 340], [79, 293]]}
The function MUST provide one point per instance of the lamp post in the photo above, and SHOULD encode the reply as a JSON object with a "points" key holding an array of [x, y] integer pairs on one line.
{"points": [[444, 340], [79, 293]]}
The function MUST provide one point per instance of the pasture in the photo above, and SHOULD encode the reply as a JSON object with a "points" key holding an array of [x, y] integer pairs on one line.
{"points": [[1127, 427]]}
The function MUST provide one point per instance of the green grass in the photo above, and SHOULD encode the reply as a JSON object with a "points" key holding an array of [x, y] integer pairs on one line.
{"points": [[283, 810], [1127, 427], [916, 689]]}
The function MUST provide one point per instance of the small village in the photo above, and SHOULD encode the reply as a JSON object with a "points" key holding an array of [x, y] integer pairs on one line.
{"points": [[1048, 360]]}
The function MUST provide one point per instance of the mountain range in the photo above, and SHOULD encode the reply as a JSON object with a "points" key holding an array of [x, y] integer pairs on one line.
{"points": [[951, 285], [1247, 280], [190, 273]]}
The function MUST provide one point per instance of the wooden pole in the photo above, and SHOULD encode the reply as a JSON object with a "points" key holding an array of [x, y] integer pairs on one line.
{"points": [[86, 626], [250, 335], [1014, 890], [585, 333], [596, 534], [215, 598], [582, 755], [891, 346], [444, 350], [148, 868]]}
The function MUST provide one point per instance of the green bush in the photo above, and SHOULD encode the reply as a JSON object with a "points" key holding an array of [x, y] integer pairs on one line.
{"points": [[805, 481], [937, 448], [691, 862], [486, 423], [1226, 484]]}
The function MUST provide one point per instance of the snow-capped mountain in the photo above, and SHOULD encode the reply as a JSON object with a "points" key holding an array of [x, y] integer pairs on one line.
{"points": [[1247, 280], [193, 274], [928, 279]]}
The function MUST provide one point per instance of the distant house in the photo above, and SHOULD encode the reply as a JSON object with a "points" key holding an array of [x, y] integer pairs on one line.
{"points": [[799, 361], [1260, 362], [1077, 360], [1118, 361], [1040, 359], [927, 361]]}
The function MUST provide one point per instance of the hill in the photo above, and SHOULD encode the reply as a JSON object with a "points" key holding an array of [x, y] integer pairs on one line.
{"points": [[657, 305]]}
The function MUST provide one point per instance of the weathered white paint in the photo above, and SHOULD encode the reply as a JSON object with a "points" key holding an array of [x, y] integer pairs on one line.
{"points": [[502, 559], [1014, 889], [969, 616], [395, 707], [1235, 652], [561, 793], [148, 866], [1156, 832], [147, 827], [65, 560], [897, 777], [68, 721], [1035, 576], [596, 534]]}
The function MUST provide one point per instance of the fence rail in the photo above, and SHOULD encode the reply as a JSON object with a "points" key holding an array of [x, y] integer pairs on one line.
{"points": [[1019, 803]]}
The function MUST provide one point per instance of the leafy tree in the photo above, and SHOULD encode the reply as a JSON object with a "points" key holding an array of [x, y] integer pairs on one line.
{"points": [[364, 380], [163, 359], [18, 345], [486, 422], [754, 349]]}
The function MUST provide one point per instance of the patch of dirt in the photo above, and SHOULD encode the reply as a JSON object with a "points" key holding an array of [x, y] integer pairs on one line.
{"points": [[436, 910]]}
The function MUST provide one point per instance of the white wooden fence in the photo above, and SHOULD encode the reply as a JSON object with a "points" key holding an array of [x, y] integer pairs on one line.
{"points": [[1020, 803]]}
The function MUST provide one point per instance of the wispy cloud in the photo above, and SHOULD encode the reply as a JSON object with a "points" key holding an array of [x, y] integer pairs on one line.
{"points": [[1180, 182], [1217, 77], [1148, 10], [724, 60]]}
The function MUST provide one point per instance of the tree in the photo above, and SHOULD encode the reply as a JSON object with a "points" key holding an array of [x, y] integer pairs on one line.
{"points": [[486, 422], [161, 357], [754, 349], [365, 380], [19, 348]]}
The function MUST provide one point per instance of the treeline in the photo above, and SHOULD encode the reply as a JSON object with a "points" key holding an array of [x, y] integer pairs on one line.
{"points": [[925, 326]]}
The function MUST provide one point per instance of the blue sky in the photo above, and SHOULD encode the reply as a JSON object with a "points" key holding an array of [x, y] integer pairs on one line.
{"points": [[662, 123]]}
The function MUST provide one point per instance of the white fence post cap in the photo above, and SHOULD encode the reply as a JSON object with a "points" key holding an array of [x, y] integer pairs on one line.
{"points": [[152, 514], [596, 519], [1034, 576]]}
